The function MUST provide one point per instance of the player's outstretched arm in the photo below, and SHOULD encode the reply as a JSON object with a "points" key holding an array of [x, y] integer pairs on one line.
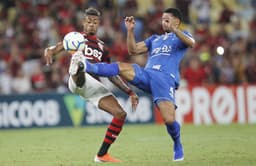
{"points": [[52, 50], [133, 47], [124, 87], [189, 41]]}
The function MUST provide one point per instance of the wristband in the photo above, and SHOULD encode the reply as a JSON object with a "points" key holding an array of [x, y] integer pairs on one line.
{"points": [[130, 92]]}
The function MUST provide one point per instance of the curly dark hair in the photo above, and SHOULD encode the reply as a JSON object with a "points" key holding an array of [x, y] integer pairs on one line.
{"points": [[92, 12]]}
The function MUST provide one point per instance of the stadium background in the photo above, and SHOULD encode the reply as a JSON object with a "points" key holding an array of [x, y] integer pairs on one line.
{"points": [[217, 87], [218, 75]]}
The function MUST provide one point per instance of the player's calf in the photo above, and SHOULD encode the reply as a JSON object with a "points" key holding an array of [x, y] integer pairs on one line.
{"points": [[80, 80]]}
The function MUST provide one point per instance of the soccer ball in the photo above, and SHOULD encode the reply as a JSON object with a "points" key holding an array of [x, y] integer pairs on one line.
{"points": [[74, 41]]}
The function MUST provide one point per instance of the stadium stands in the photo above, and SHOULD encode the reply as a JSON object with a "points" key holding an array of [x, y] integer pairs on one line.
{"points": [[27, 27]]}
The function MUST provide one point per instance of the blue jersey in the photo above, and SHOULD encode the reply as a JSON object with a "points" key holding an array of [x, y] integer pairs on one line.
{"points": [[165, 53]]}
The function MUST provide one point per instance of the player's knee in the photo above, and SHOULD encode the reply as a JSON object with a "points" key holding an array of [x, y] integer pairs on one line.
{"points": [[120, 114], [110, 105], [169, 119]]}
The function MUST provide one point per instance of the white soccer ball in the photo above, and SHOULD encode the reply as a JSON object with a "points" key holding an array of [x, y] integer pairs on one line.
{"points": [[74, 41]]}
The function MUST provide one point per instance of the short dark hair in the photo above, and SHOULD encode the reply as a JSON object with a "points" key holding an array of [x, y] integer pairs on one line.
{"points": [[175, 12], [92, 12]]}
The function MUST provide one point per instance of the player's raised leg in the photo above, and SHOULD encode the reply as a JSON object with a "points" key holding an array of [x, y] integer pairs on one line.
{"points": [[76, 68], [167, 110], [110, 105], [102, 69], [126, 70]]}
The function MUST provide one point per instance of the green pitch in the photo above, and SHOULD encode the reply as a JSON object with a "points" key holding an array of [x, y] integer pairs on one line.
{"points": [[138, 145]]}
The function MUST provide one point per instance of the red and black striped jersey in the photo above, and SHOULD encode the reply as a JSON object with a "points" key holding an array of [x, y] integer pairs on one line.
{"points": [[95, 50]]}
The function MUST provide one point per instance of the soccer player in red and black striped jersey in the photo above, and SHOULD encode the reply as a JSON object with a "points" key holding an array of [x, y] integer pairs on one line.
{"points": [[89, 86]]}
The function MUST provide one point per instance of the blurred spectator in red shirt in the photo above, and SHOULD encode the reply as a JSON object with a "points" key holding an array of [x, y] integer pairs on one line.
{"points": [[154, 15], [194, 74], [66, 26], [38, 80], [119, 49]]}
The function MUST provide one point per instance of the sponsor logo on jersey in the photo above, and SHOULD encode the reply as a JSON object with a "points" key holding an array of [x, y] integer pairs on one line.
{"points": [[91, 53], [164, 49]]}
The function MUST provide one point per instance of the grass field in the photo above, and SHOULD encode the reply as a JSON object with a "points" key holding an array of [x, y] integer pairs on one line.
{"points": [[138, 145]]}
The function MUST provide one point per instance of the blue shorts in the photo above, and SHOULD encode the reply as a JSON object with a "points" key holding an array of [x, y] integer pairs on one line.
{"points": [[161, 85]]}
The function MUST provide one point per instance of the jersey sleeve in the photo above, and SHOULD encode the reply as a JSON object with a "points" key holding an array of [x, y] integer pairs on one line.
{"points": [[189, 35], [149, 40]]}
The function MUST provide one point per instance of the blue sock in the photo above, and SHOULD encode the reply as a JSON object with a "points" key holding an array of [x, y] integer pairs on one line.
{"points": [[174, 131], [102, 69]]}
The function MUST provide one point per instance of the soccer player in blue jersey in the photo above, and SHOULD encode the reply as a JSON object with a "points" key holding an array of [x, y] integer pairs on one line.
{"points": [[160, 77]]}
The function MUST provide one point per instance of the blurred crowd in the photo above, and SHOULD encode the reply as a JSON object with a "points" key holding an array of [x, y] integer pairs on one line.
{"points": [[225, 31]]}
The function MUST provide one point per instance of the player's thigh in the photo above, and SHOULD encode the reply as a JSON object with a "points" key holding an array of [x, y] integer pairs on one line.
{"points": [[162, 87], [126, 71], [136, 75], [167, 110], [111, 105]]}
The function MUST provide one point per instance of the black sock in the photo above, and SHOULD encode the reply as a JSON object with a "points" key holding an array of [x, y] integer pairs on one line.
{"points": [[103, 149], [112, 133], [80, 75]]}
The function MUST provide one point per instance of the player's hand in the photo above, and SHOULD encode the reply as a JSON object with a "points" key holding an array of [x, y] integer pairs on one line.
{"points": [[48, 53], [173, 28], [129, 22], [134, 100]]}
